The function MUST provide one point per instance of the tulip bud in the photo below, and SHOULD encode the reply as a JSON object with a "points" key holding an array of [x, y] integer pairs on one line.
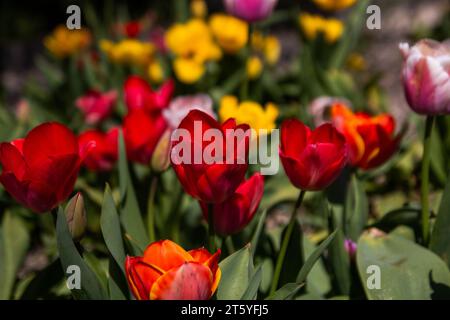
{"points": [[160, 158], [426, 76], [350, 247], [76, 216]]}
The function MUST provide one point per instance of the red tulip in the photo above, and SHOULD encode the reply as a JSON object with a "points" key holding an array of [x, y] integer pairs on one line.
{"points": [[104, 155], [371, 140], [236, 212], [210, 181], [40, 170], [168, 272], [139, 95], [142, 131], [312, 159], [96, 106]]}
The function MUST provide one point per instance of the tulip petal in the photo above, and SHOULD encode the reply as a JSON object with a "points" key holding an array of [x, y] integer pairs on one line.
{"points": [[190, 281], [140, 277], [12, 160], [165, 255]]}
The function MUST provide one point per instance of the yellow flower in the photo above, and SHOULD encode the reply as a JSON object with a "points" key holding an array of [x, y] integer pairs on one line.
{"points": [[254, 67], [356, 62], [258, 41], [155, 72], [63, 42], [188, 70], [334, 5], [272, 50], [249, 112], [312, 25], [230, 32], [192, 40], [128, 51], [199, 9]]}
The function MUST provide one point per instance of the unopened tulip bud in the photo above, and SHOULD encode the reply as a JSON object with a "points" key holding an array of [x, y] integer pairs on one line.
{"points": [[160, 158], [350, 247], [76, 216], [426, 76]]}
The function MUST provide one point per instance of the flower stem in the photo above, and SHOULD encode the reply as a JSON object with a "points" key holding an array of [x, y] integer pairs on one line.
{"points": [[425, 177], [151, 208], [211, 231], [285, 243]]}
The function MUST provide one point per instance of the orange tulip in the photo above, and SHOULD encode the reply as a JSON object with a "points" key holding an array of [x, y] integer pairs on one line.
{"points": [[168, 272], [371, 140]]}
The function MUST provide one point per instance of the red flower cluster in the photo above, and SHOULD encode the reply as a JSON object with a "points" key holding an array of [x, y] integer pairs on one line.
{"points": [[104, 155]]}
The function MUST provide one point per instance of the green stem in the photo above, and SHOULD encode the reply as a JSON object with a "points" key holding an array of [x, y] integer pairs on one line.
{"points": [[211, 231], [285, 243], [151, 208], [425, 177], [230, 245]]}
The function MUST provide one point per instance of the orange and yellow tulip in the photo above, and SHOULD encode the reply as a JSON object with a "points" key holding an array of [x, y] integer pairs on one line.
{"points": [[168, 272]]}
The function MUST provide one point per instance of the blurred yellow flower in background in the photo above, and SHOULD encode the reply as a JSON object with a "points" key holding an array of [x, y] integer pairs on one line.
{"points": [[63, 42], [272, 50], [198, 8], [269, 46], [193, 45], [254, 67], [231, 33], [155, 72], [249, 112], [312, 25], [188, 70], [128, 51], [356, 61], [334, 5]]}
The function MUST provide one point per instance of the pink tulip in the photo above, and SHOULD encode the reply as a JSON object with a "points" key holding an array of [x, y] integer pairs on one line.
{"points": [[96, 106], [250, 10], [426, 76]]}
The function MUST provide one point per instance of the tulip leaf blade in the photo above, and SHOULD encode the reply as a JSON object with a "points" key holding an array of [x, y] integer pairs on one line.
{"points": [[340, 261], [440, 237], [131, 216], [394, 268], [117, 284], [289, 290], [257, 233], [69, 256], [235, 275], [14, 241], [312, 259], [252, 290], [356, 209], [110, 226]]}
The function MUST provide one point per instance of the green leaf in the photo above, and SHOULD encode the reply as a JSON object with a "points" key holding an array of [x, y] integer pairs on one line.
{"points": [[112, 233], [69, 256], [252, 290], [317, 282], [131, 216], [14, 241], [44, 281], [289, 290], [440, 237], [356, 209], [117, 284], [407, 271], [235, 275], [402, 216], [340, 262], [286, 292], [258, 230]]}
